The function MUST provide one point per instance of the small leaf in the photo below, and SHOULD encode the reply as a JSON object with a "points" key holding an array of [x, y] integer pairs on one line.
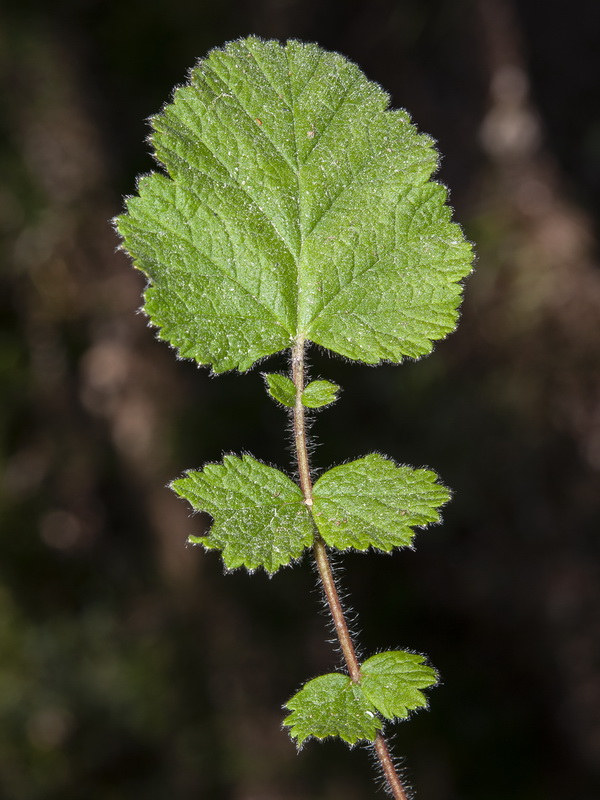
{"points": [[319, 393], [391, 681], [260, 519], [331, 705], [294, 204], [374, 502], [281, 388]]}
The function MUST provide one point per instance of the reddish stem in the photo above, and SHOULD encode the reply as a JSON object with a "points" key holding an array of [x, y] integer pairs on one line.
{"points": [[324, 567]]}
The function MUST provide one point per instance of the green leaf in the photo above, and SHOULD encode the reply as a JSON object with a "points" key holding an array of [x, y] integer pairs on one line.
{"points": [[295, 205], [391, 681], [315, 394], [260, 519], [319, 393], [331, 705], [373, 502], [281, 388]]}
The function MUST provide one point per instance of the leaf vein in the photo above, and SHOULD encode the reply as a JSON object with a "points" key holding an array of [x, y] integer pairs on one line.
{"points": [[233, 278]]}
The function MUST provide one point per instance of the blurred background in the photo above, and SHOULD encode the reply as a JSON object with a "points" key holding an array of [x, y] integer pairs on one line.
{"points": [[129, 665]]}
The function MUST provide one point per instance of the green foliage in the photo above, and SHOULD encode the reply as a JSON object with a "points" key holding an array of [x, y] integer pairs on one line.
{"points": [[319, 393], [316, 394], [260, 519], [391, 681], [281, 388], [296, 205], [332, 705], [373, 502]]}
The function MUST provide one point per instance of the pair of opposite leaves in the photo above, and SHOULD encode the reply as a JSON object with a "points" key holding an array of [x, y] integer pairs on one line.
{"points": [[297, 207]]}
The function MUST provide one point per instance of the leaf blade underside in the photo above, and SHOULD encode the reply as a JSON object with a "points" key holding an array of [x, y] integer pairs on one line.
{"points": [[295, 205]]}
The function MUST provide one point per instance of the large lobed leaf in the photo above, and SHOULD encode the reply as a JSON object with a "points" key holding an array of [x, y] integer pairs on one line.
{"points": [[294, 205]]}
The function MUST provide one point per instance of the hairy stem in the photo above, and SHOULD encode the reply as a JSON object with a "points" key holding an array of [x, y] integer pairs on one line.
{"points": [[389, 770], [324, 567]]}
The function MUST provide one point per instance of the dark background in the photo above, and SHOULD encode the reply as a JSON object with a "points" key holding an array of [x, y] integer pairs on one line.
{"points": [[129, 665]]}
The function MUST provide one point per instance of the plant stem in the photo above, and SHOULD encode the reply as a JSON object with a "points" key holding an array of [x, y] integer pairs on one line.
{"points": [[324, 567], [389, 770]]}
